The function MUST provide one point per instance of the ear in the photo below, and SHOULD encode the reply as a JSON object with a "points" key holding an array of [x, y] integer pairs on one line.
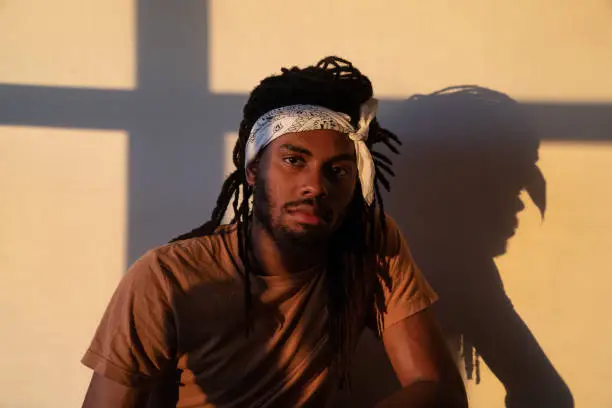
{"points": [[251, 172]]}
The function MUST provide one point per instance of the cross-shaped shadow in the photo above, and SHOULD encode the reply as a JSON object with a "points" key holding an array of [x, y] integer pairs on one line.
{"points": [[176, 125]]}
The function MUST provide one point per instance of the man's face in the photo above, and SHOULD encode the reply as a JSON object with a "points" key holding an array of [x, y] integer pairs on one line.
{"points": [[497, 219], [488, 208], [304, 183]]}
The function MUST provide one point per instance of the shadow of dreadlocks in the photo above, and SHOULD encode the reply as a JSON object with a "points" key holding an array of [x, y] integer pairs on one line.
{"points": [[467, 154]]}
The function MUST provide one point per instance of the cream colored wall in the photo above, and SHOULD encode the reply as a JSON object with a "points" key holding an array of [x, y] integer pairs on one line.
{"points": [[68, 43], [62, 253], [544, 50], [63, 203], [64, 192], [558, 276]]}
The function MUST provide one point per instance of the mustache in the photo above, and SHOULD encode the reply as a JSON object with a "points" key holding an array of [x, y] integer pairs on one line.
{"points": [[317, 208], [290, 205]]}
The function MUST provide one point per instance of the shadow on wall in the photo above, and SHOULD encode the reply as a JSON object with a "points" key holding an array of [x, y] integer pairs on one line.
{"points": [[176, 126], [468, 153]]}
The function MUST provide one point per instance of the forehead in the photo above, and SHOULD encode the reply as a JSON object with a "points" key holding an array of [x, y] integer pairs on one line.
{"points": [[319, 143]]}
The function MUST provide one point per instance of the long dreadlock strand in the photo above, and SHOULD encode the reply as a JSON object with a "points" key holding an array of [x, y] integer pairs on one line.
{"points": [[245, 243], [229, 187], [383, 166], [389, 143], [381, 158], [236, 207]]}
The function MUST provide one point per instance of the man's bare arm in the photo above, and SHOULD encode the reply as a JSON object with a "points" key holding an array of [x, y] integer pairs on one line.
{"points": [[423, 365]]}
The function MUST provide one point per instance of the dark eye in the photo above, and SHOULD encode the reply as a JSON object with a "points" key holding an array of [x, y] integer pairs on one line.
{"points": [[339, 171], [294, 160]]}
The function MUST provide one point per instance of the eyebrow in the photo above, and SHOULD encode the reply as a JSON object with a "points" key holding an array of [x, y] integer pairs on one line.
{"points": [[306, 152], [296, 149]]}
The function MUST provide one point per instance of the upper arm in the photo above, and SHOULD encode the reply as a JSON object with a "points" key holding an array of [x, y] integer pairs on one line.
{"points": [[423, 365], [413, 343], [135, 343], [405, 289], [417, 350], [412, 340]]}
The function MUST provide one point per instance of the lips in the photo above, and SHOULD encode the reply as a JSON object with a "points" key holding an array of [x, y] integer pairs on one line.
{"points": [[306, 215], [306, 218], [510, 230]]}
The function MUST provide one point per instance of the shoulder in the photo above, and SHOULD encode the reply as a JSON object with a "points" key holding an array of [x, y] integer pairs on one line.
{"points": [[389, 239], [188, 262], [404, 288]]}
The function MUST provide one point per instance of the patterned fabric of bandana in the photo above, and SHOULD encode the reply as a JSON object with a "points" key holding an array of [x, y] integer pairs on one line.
{"points": [[303, 118]]}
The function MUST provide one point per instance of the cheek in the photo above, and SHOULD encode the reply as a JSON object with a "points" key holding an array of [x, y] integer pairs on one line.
{"points": [[275, 190], [277, 194], [283, 185], [343, 199], [345, 192]]}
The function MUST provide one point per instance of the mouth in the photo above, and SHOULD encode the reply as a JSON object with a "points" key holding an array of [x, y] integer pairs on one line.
{"points": [[511, 230], [308, 216]]}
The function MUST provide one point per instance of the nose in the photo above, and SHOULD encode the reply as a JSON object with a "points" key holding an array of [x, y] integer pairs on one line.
{"points": [[314, 184], [519, 205]]}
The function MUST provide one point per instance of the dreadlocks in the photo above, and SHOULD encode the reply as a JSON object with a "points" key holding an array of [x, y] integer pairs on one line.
{"points": [[335, 84]]}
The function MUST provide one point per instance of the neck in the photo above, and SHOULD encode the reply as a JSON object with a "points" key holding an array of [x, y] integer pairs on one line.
{"points": [[274, 258]]}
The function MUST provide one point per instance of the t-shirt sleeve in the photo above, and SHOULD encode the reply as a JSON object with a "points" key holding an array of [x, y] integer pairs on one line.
{"points": [[135, 341], [406, 292]]}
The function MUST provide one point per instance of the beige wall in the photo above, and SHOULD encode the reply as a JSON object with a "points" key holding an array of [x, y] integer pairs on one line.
{"points": [[61, 255], [64, 227], [557, 273], [70, 43], [544, 50]]}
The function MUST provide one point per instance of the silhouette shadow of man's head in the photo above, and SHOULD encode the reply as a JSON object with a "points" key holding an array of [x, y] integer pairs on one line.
{"points": [[468, 153]]}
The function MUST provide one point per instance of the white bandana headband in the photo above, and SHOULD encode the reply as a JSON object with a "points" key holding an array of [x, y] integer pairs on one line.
{"points": [[303, 118]]}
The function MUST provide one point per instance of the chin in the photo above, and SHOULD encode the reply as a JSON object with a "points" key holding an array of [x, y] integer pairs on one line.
{"points": [[499, 249], [498, 253], [490, 248], [302, 231]]}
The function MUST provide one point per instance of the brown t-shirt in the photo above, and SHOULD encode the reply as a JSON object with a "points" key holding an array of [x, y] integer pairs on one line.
{"points": [[182, 306]]}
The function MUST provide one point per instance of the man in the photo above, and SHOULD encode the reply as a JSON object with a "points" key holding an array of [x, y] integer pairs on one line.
{"points": [[266, 311]]}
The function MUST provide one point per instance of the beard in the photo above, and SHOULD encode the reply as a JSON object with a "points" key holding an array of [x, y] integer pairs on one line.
{"points": [[307, 239]]}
